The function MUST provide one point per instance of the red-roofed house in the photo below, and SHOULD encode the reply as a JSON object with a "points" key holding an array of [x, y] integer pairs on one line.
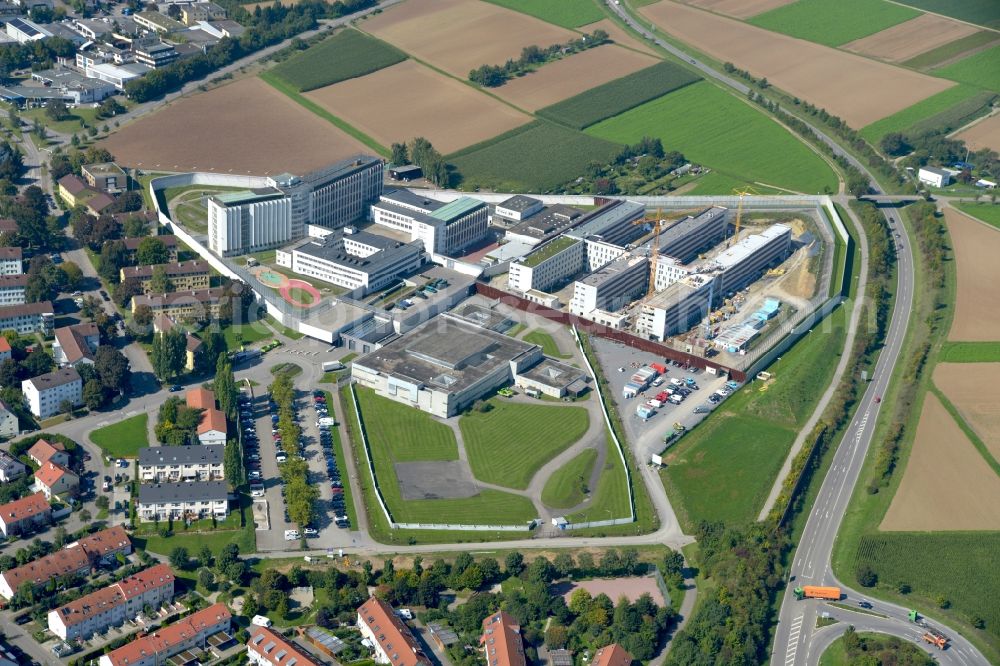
{"points": [[612, 655], [24, 514], [268, 648], [155, 648], [65, 562], [42, 452], [76, 344], [212, 428], [53, 479], [111, 606], [104, 546], [394, 644], [501, 640], [5, 350]]}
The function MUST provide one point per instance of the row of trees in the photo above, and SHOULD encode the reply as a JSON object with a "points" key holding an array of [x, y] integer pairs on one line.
{"points": [[421, 152], [492, 76], [300, 496]]}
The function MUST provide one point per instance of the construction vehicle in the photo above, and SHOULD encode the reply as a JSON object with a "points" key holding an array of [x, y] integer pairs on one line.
{"points": [[936, 638], [817, 592], [775, 272]]}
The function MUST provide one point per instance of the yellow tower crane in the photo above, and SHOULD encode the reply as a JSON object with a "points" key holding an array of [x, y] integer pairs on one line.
{"points": [[739, 212], [658, 224]]}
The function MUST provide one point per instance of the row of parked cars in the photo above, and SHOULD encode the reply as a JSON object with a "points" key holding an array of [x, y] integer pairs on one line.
{"points": [[251, 446], [325, 425]]}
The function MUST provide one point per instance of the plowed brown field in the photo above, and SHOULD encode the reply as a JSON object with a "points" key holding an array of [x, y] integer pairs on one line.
{"points": [[977, 302], [570, 76], [243, 127], [973, 389], [947, 485], [984, 134], [911, 38], [740, 9], [857, 89], [460, 35], [408, 100]]}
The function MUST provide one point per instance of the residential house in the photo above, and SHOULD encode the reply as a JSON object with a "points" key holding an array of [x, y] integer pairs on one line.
{"points": [[76, 344], [106, 176], [391, 639], [199, 304], [612, 655], [44, 451], [269, 648], [25, 514], [201, 11], [61, 563], [154, 649], [5, 349], [11, 261], [183, 276], [132, 245], [501, 640], [10, 467], [12, 289], [104, 546], [97, 204], [158, 464], [176, 501], [48, 393], [162, 324], [212, 427], [74, 190], [28, 318], [8, 422], [56, 480]]}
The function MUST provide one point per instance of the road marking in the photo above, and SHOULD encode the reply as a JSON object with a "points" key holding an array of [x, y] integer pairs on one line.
{"points": [[793, 640]]}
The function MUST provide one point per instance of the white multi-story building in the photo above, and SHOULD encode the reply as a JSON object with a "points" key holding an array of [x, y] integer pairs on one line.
{"points": [[8, 422], [933, 176], [668, 271], [12, 289], [684, 239], [676, 308], [549, 266], [516, 209], [612, 287], [443, 228], [248, 221], [10, 467], [11, 262], [194, 500], [160, 464], [28, 318], [47, 393], [113, 605], [743, 263], [601, 254]]}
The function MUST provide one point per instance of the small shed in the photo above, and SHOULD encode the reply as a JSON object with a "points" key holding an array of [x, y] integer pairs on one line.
{"points": [[405, 173]]}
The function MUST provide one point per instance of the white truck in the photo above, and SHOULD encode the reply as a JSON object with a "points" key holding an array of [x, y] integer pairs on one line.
{"points": [[331, 366]]}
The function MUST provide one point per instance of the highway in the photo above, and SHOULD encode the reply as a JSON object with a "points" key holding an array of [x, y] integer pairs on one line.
{"points": [[796, 640]]}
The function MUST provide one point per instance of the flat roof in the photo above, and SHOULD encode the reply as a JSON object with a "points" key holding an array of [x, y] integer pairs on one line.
{"points": [[509, 250], [688, 225], [599, 221], [404, 196], [457, 208], [678, 290], [620, 265], [519, 202], [548, 220], [483, 316], [445, 353], [247, 196], [159, 493], [556, 374], [549, 250], [181, 455], [746, 247], [321, 177], [332, 249]]}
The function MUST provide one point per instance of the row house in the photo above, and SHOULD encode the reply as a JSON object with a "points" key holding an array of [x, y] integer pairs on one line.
{"points": [[158, 464]]}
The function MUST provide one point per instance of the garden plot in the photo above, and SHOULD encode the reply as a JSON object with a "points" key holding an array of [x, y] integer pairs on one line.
{"points": [[972, 389], [907, 40], [977, 301]]}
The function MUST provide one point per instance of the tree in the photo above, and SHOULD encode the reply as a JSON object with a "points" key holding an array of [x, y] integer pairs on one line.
{"points": [[205, 555], [867, 576], [38, 362], [110, 107], [249, 605], [580, 601], [151, 251], [159, 283], [73, 275], [125, 290], [135, 227], [514, 563], [563, 564], [85, 516], [168, 353], [102, 502], [113, 257], [206, 578], [230, 553], [143, 316], [179, 558], [857, 183], [895, 144], [57, 110], [556, 637], [400, 155], [128, 202], [232, 464], [93, 394], [113, 368], [225, 386]]}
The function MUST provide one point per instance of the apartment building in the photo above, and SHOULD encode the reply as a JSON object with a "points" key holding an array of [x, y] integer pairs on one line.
{"points": [[745, 261], [47, 394], [76, 344], [113, 605], [248, 221], [11, 261], [160, 464], [183, 276], [59, 564], [44, 451], [10, 467], [549, 267], [55, 480], [201, 11], [154, 649], [169, 241], [104, 546], [192, 500], [391, 639], [269, 648], [9, 426], [443, 228], [197, 304], [612, 287], [334, 196], [12, 289], [501, 641], [684, 239], [28, 318]]}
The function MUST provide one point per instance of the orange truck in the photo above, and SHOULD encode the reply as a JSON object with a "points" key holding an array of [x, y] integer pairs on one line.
{"points": [[936, 638], [817, 592]]}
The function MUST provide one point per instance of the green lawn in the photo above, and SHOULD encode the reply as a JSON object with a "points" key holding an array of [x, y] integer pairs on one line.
{"points": [[405, 433], [988, 213], [546, 342], [714, 182], [78, 117], [124, 438], [509, 443], [289, 369], [981, 12], [952, 49], [346, 55], [833, 23], [969, 352], [568, 486], [922, 110], [216, 541], [567, 13], [979, 69], [716, 129], [610, 499], [247, 333]]}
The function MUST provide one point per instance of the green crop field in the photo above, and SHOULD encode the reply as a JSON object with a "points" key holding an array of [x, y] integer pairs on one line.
{"points": [[546, 342], [566, 487], [948, 565], [988, 213], [952, 49], [833, 23], [719, 130], [346, 55], [969, 352], [980, 12], [567, 13], [610, 499], [535, 157], [921, 111], [618, 96], [124, 438], [525, 437], [398, 433], [979, 69]]}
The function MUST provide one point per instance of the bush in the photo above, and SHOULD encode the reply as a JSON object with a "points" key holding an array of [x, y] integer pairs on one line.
{"points": [[867, 576]]}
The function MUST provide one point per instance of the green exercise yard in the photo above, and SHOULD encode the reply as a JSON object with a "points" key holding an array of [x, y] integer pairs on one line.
{"points": [[611, 497], [509, 443], [398, 433], [123, 439]]}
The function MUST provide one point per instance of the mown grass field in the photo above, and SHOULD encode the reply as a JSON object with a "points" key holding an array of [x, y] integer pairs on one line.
{"points": [[546, 342], [533, 158], [743, 142], [509, 443], [567, 13], [980, 12], [951, 49], [833, 23], [969, 352], [988, 213], [216, 541], [565, 488], [928, 108], [398, 433], [124, 438], [346, 55], [610, 498], [618, 96], [979, 69]]}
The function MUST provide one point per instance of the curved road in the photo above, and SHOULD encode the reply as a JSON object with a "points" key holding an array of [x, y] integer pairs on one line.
{"points": [[796, 640]]}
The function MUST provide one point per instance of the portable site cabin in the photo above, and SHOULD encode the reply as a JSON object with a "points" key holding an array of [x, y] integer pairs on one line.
{"points": [[659, 367], [631, 390], [645, 412]]}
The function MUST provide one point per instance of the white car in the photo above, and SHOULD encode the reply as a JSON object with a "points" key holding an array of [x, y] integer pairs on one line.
{"points": [[291, 535]]}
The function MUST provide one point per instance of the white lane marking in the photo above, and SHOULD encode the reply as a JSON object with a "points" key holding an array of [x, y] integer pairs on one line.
{"points": [[793, 640]]}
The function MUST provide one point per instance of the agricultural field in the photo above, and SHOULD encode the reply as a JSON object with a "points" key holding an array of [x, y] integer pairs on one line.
{"points": [[740, 9], [615, 97], [946, 484], [943, 102], [911, 38], [533, 158], [981, 12], [528, 435], [972, 389], [857, 89], [448, 113], [744, 142], [979, 69], [833, 23], [458, 35], [969, 352], [977, 302], [273, 134], [345, 55], [572, 75], [566, 487], [988, 213], [984, 134], [618, 35], [955, 50], [567, 13]]}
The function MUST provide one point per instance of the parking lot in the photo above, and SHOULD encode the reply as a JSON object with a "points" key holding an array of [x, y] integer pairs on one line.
{"points": [[647, 435]]}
